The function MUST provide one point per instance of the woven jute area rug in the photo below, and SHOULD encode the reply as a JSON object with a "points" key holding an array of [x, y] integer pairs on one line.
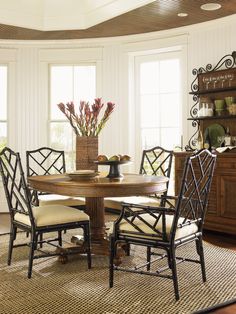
{"points": [[71, 288]]}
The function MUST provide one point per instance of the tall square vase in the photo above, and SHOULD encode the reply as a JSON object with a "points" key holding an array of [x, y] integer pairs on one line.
{"points": [[86, 152]]}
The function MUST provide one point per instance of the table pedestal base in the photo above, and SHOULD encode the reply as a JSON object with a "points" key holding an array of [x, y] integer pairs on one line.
{"points": [[99, 244], [69, 249], [101, 247]]}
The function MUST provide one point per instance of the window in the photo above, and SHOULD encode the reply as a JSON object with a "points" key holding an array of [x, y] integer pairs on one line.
{"points": [[3, 106], [158, 94], [68, 83]]}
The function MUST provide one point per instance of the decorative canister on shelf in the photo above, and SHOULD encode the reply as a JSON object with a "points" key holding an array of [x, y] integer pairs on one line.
{"points": [[87, 127]]}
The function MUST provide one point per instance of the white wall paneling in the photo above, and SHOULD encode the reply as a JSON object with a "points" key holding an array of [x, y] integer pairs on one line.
{"points": [[69, 54], [28, 106], [8, 57], [111, 135]]}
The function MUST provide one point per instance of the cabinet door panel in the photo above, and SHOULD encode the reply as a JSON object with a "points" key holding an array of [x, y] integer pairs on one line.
{"points": [[227, 196]]}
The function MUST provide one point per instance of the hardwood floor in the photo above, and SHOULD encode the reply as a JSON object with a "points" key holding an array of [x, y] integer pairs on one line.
{"points": [[222, 240]]}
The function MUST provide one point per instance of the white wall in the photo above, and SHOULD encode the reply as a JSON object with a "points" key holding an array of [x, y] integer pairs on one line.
{"points": [[28, 78]]}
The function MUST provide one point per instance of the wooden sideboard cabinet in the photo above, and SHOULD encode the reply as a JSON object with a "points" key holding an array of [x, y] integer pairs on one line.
{"points": [[221, 213]]}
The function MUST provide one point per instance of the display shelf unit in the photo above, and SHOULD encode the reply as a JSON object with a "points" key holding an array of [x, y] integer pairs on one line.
{"points": [[221, 214], [212, 83]]}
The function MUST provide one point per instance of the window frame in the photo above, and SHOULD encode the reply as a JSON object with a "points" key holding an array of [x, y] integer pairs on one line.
{"points": [[64, 120], [151, 57], [7, 101]]}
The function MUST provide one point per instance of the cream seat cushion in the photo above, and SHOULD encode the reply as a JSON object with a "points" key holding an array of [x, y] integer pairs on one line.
{"points": [[52, 215], [53, 199], [115, 202], [180, 232]]}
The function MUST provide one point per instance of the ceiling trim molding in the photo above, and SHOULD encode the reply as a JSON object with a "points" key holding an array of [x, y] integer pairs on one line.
{"points": [[55, 15], [103, 41]]}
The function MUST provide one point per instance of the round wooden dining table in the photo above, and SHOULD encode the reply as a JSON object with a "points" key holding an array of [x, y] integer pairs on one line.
{"points": [[95, 190]]}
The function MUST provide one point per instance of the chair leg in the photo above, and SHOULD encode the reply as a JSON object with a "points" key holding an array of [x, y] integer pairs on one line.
{"points": [[148, 257], [41, 240], [60, 238], [111, 267], [200, 252], [36, 242], [126, 247], [88, 243], [11, 241], [33, 244], [169, 258], [174, 273]]}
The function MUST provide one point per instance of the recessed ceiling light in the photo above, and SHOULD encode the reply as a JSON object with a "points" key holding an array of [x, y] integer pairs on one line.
{"points": [[210, 6], [182, 14]]}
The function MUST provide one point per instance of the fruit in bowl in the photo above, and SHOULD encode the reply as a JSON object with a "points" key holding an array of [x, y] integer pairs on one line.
{"points": [[114, 158], [102, 158], [125, 158]]}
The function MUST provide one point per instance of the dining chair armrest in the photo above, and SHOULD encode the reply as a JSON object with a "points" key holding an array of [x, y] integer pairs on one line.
{"points": [[131, 213], [168, 201], [171, 197], [144, 208]]}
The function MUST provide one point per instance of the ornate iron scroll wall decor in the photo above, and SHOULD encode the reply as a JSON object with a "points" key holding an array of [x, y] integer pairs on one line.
{"points": [[226, 62]]}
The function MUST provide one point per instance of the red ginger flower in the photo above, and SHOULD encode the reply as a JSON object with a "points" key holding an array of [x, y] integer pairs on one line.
{"points": [[86, 122]]}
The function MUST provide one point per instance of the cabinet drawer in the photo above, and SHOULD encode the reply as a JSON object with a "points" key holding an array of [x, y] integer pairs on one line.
{"points": [[226, 164]]}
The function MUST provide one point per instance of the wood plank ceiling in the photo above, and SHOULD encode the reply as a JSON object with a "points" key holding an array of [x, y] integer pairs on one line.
{"points": [[156, 16]]}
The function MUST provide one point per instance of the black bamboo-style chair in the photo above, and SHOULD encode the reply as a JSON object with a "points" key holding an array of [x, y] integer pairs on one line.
{"points": [[168, 228], [155, 161], [39, 219], [47, 161]]}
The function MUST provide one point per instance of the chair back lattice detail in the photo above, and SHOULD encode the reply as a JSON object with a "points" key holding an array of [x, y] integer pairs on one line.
{"points": [[16, 190], [156, 161], [189, 207], [45, 161], [194, 190]]}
